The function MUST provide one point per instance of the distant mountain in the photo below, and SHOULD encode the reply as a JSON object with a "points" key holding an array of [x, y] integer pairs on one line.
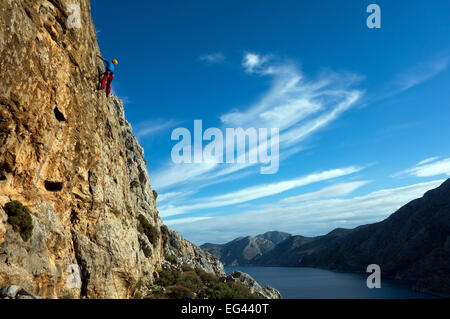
{"points": [[291, 251], [275, 236], [243, 249], [413, 244]]}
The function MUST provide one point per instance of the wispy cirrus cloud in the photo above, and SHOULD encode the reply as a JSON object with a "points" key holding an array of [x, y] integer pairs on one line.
{"points": [[298, 106], [149, 128], [309, 218], [421, 73], [414, 76], [428, 167], [216, 57], [185, 220], [327, 192], [178, 174], [256, 192], [174, 197], [428, 160]]}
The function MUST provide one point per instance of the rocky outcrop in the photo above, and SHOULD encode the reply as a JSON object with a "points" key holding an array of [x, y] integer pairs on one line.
{"points": [[16, 292], [184, 252], [69, 155], [247, 281], [244, 249]]}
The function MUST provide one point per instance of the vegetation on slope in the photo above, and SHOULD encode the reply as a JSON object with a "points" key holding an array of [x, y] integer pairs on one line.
{"points": [[196, 284], [20, 219]]}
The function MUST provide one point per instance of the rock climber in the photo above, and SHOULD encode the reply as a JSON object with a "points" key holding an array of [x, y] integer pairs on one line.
{"points": [[108, 76]]}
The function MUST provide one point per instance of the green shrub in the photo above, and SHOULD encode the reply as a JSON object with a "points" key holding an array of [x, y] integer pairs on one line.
{"points": [[157, 293], [186, 268], [190, 280], [170, 258], [179, 292], [198, 283], [164, 234], [20, 219], [218, 290], [148, 229], [168, 278], [240, 291], [206, 276]]}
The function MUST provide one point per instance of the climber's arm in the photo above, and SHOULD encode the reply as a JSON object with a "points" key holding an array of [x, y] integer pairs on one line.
{"points": [[105, 62]]}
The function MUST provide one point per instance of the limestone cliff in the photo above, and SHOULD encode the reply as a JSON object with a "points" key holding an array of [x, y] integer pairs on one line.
{"points": [[69, 155]]}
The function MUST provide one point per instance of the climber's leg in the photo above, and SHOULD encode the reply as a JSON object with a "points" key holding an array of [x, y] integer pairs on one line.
{"points": [[108, 86], [105, 78]]}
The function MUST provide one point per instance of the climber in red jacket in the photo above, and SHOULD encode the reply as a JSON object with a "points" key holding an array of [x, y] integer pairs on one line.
{"points": [[108, 76]]}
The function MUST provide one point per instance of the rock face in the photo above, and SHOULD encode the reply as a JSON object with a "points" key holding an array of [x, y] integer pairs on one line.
{"points": [[69, 155], [246, 280], [244, 249]]}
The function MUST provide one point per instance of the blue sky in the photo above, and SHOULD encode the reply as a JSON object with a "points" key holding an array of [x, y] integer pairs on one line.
{"points": [[363, 113]]}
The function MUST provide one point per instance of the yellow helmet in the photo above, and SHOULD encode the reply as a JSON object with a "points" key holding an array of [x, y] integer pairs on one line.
{"points": [[115, 62]]}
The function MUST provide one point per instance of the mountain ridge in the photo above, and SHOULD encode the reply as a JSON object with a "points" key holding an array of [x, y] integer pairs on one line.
{"points": [[412, 244], [243, 249]]}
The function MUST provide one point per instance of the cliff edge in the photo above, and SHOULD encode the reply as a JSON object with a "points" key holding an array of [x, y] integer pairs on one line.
{"points": [[68, 155]]}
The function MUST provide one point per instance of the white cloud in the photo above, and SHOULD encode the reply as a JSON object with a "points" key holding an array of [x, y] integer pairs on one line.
{"points": [[428, 160], [213, 57], [166, 196], [299, 107], [414, 76], [259, 191], [327, 192], [178, 174], [251, 61], [307, 218], [421, 73], [429, 167], [297, 134], [184, 220], [149, 128], [174, 196]]}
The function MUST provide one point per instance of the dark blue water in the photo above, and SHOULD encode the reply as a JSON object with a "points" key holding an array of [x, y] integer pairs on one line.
{"points": [[298, 282]]}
